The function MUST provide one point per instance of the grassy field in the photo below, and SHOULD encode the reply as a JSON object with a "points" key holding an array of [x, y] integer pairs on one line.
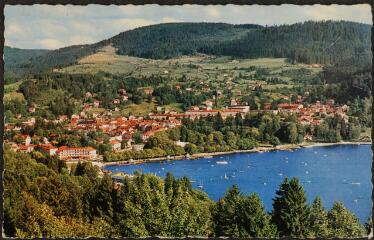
{"points": [[220, 73], [13, 96], [13, 87], [137, 109], [201, 66]]}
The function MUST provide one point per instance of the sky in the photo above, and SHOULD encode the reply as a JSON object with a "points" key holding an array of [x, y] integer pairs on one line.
{"points": [[52, 27]]}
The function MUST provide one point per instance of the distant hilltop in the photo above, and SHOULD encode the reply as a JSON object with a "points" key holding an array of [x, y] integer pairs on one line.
{"points": [[325, 42]]}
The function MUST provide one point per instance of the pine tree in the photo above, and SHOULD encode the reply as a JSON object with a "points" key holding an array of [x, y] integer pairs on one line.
{"points": [[225, 214], [253, 220], [290, 210], [318, 219], [218, 122], [343, 223]]}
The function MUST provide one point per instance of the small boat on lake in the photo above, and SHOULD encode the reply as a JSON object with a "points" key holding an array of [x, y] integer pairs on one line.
{"points": [[223, 162], [225, 177]]}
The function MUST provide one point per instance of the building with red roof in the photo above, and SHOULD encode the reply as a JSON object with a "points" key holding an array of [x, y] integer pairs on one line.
{"points": [[76, 153]]}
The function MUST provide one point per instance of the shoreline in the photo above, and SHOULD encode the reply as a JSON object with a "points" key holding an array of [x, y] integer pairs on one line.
{"points": [[260, 149]]}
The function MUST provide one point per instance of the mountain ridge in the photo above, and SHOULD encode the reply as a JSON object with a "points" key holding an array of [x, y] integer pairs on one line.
{"points": [[337, 42]]}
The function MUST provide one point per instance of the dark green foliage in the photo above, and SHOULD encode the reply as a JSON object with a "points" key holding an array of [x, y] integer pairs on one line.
{"points": [[343, 223], [236, 215], [225, 214], [254, 221], [167, 95], [16, 60], [325, 42], [318, 219], [290, 210]]}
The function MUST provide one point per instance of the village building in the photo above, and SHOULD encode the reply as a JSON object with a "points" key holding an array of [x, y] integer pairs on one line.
{"points": [[243, 109], [48, 149], [122, 91], [30, 122], [116, 145], [137, 147], [76, 153], [26, 139], [209, 103], [26, 148], [125, 98], [96, 103], [289, 107], [148, 91]]}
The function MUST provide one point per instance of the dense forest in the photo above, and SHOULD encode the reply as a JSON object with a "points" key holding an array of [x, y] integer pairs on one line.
{"points": [[43, 199], [327, 42]]}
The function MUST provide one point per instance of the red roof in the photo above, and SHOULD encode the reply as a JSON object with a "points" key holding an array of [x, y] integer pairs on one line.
{"points": [[114, 142], [47, 146], [288, 106], [63, 148]]}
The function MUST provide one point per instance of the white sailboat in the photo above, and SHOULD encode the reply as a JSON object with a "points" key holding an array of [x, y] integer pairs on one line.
{"points": [[226, 177], [222, 162]]}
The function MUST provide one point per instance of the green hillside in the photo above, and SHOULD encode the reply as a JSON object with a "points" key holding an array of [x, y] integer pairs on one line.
{"points": [[17, 59], [327, 42]]}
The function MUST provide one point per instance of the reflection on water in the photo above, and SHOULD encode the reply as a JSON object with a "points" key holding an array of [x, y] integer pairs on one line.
{"points": [[336, 173]]}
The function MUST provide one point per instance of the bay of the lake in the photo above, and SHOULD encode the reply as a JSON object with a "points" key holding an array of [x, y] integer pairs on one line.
{"points": [[335, 173]]}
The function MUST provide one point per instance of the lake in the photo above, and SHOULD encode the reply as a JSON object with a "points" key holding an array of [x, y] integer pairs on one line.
{"points": [[335, 173]]}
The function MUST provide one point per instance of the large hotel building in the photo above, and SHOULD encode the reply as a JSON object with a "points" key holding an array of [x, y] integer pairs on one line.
{"points": [[72, 153]]}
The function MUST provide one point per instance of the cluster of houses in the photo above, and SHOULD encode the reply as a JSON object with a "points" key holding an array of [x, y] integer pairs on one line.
{"points": [[313, 114], [63, 152], [123, 128], [119, 130]]}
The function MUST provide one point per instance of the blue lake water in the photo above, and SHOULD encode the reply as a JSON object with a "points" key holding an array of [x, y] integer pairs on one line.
{"points": [[335, 173]]}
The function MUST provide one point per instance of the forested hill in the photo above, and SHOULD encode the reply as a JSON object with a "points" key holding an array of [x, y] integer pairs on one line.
{"points": [[327, 42], [309, 42], [15, 58], [175, 39]]}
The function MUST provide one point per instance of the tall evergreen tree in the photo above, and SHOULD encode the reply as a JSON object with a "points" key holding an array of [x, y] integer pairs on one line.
{"points": [[290, 210], [343, 223], [225, 215], [318, 219], [253, 220]]}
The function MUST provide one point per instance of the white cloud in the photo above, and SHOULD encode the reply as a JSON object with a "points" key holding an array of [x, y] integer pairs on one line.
{"points": [[130, 9], [213, 12], [13, 29], [50, 43], [359, 13], [128, 23], [81, 39], [170, 20]]}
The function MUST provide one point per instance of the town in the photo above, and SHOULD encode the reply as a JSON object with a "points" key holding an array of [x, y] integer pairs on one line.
{"points": [[122, 131]]}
